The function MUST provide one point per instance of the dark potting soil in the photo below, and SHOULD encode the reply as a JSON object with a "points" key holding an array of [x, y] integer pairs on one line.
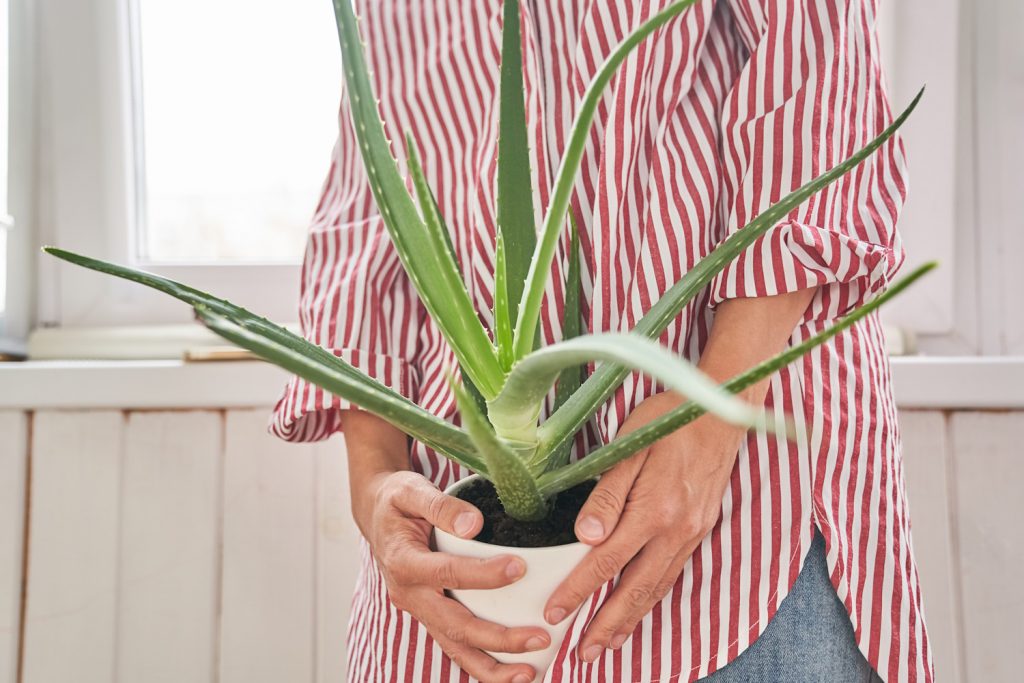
{"points": [[500, 529]]}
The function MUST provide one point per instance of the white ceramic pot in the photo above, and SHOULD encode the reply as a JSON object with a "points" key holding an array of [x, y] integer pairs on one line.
{"points": [[522, 603]]}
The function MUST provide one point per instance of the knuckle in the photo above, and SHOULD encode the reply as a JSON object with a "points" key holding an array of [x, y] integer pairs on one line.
{"points": [[438, 507], [606, 565], [692, 527], [455, 633], [668, 512], [604, 500], [639, 594], [445, 576], [604, 629]]}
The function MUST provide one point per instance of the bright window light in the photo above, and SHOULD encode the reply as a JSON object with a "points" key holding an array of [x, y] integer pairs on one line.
{"points": [[238, 113]]}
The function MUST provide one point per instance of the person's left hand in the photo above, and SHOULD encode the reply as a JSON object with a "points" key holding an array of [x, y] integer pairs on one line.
{"points": [[645, 518]]}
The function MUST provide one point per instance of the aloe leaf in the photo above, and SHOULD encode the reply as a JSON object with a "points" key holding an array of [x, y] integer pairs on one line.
{"points": [[502, 312], [571, 378], [516, 227], [516, 487], [607, 456], [417, 240], [417, 423], [449, 437], [435, 224], [540, 265], [564, 423], [514, 412]]}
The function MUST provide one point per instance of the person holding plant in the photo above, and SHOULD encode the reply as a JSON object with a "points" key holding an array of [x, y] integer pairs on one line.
{"points": [[739, 556]]}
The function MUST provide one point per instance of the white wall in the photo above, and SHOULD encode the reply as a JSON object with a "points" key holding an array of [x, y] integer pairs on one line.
{"points": [[189, 546]]}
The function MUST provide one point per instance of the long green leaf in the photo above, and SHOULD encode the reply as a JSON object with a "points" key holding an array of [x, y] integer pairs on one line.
{"points": [[516, 487], [571, 378], [540, 265], [516, 227], [424, 256], [607, 456], [601, 385], [449, 437], [502, 312], [417, 423], [514, 412], [436, 225]]}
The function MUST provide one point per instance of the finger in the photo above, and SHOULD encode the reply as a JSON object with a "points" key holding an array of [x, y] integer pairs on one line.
{"points": [[418, 497], [420, 566], [598, 567], [461, 626], [644, 583], [482, 666], [600, 514]]}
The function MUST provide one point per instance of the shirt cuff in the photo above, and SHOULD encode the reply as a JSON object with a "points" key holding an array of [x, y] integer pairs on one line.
{"points": [[306, 412], [792, 256]]}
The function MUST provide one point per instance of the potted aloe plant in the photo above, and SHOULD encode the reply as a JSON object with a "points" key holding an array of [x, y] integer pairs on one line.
{"points": [[524, 483]]}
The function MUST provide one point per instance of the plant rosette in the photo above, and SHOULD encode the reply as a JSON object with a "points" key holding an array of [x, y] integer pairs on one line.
{"points": [[521, 603]]}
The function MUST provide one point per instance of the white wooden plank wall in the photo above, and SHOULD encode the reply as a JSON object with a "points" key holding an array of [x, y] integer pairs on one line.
{"points": [[191, 546], [13, 455]]}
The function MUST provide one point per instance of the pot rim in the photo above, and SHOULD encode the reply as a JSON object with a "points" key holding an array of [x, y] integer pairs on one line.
{"points": [[525, 553]]}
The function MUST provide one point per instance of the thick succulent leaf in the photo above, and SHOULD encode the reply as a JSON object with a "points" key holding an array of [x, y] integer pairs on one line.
{"points": [[540, 266], [502, 312], [516, 225], [571, 378], [417, 240], [607, 456], [449, 437], [435, 224], [415, 422], [602, 384], [515, 411], [516, 487]]}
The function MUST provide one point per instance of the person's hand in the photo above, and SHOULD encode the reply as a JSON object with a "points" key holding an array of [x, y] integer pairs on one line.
{"points": [[645, 518], [397, 522]]}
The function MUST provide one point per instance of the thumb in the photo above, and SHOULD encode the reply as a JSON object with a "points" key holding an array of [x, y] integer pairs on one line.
{"points": [[600, 514], [422, 499]]}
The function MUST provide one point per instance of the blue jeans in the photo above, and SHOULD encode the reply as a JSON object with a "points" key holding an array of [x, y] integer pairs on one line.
{"points": [[810, 639]]}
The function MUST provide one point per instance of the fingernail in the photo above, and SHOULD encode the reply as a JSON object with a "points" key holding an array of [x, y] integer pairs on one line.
{"points": [[515, 569], [617, 641], [590, 528], [464, 524], [592, 653], [522, 678], [555, 615], [537, 643]]}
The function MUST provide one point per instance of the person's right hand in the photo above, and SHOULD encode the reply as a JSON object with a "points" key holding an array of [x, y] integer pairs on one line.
{"points": [[397, 523]]}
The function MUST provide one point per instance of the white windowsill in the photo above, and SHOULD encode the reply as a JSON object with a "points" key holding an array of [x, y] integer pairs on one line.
{"points": [[919, 382]]}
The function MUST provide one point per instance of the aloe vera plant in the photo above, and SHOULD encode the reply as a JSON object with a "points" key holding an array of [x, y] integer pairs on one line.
{"points": [[505, 377]]}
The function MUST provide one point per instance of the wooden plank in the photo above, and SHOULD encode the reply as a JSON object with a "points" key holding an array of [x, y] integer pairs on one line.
{"points": [[169, 561], [337, 560], [267, 610], [988, 472], [13, 456], [927, 461], [71, 612]]}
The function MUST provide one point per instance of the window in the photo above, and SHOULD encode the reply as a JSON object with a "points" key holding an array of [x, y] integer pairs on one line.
{"points": [[187, 137], [236, 110]]}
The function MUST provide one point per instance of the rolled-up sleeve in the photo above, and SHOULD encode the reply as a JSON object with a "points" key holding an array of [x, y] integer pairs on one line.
{"points": [[809, 96], [356, 299]]}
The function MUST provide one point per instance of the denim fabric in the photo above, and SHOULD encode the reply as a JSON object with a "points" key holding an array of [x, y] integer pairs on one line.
{"points": [[809, 640]]}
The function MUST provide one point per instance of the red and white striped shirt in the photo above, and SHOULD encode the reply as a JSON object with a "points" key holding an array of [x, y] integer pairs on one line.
{"points": [[718, 114]]}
